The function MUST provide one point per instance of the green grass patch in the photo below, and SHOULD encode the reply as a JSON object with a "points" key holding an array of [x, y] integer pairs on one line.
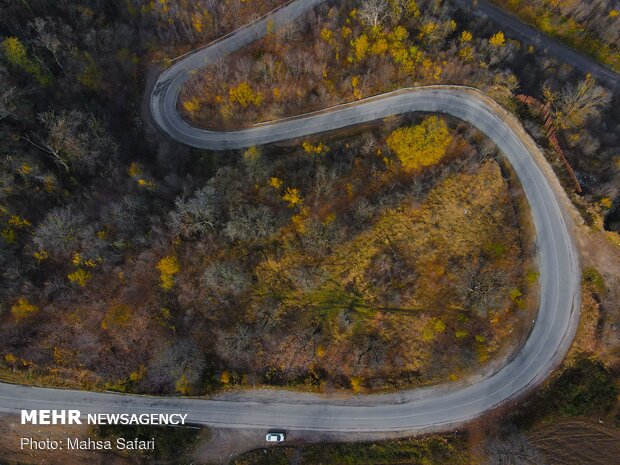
{"points": [[532, 276], [592, 277]]}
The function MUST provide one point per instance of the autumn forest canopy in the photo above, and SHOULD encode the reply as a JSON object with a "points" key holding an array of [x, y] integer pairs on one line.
{"points": [[391, 255]]}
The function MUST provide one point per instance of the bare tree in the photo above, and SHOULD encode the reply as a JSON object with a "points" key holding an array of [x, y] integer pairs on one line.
{"points": [[226, 276], [481, 286], [9, 96], [47, 39], [73, 140], [197, 215], [61, 232], [581, 101], [513, 448], [249, 222], [182, 358], [374, 12], [323, 182]]}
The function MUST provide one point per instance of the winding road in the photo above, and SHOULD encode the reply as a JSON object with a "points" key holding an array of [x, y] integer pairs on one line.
{"points": [[426, 409], [514, 27]]}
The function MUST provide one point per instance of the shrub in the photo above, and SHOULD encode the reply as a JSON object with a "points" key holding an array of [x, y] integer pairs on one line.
{"points": [[593, 277], [22, 308], [118, 315]]}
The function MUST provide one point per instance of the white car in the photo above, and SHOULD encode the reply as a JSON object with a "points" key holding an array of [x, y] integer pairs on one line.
{"points": [[275, 436]]}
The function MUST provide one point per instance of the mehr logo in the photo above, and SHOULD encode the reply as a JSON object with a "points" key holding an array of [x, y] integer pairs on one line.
{"points": [[51, 417], [72, 417]]}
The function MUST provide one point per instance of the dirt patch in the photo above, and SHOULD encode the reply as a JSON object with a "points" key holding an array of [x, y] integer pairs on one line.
{"points": [[225, 444], [576, 442], [599, 249]]}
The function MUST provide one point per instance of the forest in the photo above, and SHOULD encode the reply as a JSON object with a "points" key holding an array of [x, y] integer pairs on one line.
{"points": [[354, 50], [392, 255], [590, 27], [135, 264]]}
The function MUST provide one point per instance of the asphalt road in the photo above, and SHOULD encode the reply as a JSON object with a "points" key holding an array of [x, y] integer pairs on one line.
{"points": [[513, 27], [426, 409]]}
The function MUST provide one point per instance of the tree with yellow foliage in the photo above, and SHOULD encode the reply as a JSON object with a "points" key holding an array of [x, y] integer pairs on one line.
{"points": [[182, 386], [168, 267], [197, 22], [380, 46], [292, 196], [412, 8], [420, 145], [466, 36], [251, 154], [318, 149], [191, 105], [17, 55], [244, 95], [361, 45], [326, 35], [80, 277], [497, 39], [276, 183], [22, 308], [466, 53], [356, 384]]}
